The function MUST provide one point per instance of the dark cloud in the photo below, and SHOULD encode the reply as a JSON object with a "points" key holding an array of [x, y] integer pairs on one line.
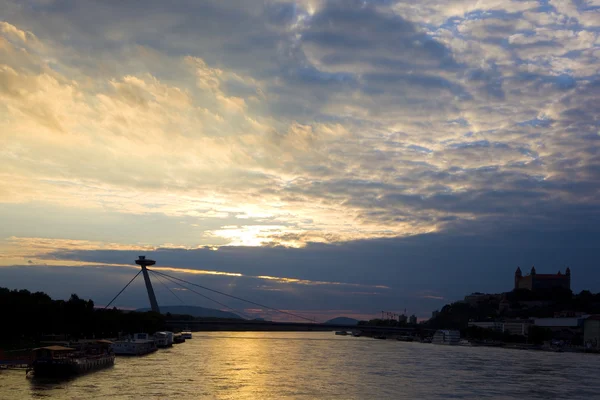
{"points": [[470, 257], [342, 28]]}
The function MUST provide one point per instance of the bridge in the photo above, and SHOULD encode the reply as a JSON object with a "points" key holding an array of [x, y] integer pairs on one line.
{"points": [[250, 324], [258, 326]]}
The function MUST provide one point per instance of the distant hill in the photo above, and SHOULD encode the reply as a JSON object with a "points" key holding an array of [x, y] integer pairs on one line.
{"points": [[195, 311], [342, 321]]}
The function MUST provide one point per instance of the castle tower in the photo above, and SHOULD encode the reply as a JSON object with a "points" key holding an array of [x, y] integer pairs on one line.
{"points": [[144, 262], [518, 276], [568, 275], [533, 282]]}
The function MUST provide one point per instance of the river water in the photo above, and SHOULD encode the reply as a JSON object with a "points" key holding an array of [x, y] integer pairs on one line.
{"points": [[307, 365]]}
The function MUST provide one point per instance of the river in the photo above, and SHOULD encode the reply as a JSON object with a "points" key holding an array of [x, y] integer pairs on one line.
{"points": [[307, 365]]}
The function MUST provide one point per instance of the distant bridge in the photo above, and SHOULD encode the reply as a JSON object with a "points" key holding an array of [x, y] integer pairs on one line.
{"points": [[249, 325]]}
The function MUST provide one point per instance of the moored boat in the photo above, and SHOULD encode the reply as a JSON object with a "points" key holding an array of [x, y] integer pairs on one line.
{"points": [[170, 336], [178, 338], [447, 337], [161, 339], [140, 344], [59, 361], [187, 334]]}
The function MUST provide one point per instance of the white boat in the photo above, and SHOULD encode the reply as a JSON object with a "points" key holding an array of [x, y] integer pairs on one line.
{"points": [[186, 334], [161, 339], [139, 344], [445, 336], [170, 338]]}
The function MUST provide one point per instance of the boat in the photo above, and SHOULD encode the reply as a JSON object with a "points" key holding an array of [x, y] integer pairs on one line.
{"points": [[62, 361], [170, 336], [178, 338], [447, 337], [356, 333], [161, 339], [341, 333], [187, 334], [138, 345]]}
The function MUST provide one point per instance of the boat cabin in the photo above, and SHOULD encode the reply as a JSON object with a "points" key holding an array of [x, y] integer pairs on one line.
{"points": [[53, 352]]}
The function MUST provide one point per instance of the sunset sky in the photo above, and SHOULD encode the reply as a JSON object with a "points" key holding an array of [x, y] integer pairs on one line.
{"points": [[330, 157]]}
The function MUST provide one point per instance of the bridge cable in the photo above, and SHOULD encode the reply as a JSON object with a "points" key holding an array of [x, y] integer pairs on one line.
{"points": [[238, 298], [122, 290], [160, 279], [202, 295]]}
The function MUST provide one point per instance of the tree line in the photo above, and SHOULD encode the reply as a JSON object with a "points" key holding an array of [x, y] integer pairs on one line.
{"points": [[30, 317]]}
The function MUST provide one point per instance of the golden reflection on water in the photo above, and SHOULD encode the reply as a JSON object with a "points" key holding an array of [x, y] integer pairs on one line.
{"points": [[241, 367]]}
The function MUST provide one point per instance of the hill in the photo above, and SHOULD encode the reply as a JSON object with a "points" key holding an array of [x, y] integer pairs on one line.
{"points": [[195, 311], [517, 304], [342, 321]]}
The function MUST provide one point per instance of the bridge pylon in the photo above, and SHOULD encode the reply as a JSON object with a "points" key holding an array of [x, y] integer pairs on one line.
{"points": [[145, 262]]}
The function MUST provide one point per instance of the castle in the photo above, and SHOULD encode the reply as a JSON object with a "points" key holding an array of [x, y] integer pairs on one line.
{"points": [[535, 281]]}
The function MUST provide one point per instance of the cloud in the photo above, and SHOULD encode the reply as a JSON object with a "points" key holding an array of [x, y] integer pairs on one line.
{"points": [[433, 297], [417, 270], [308, 123], [12, 32]]}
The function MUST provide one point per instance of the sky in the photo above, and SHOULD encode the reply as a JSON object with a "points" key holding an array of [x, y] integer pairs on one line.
{"points": [[326, 157]]}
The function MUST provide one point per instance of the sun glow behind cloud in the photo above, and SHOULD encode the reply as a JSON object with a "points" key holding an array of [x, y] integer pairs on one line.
{"points": [[183, 148], [291, 123]]}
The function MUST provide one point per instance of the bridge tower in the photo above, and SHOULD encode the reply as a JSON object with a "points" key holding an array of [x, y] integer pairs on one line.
{"points": [[144, 262]]}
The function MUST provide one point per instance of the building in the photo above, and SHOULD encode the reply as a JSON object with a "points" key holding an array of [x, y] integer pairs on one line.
{"points": [[412, 319], [591, 332], [495, 326], [534, 281], [568, 314], [516, 327], [504, 304], [567, 329], [511, 327], [557, 323]]}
